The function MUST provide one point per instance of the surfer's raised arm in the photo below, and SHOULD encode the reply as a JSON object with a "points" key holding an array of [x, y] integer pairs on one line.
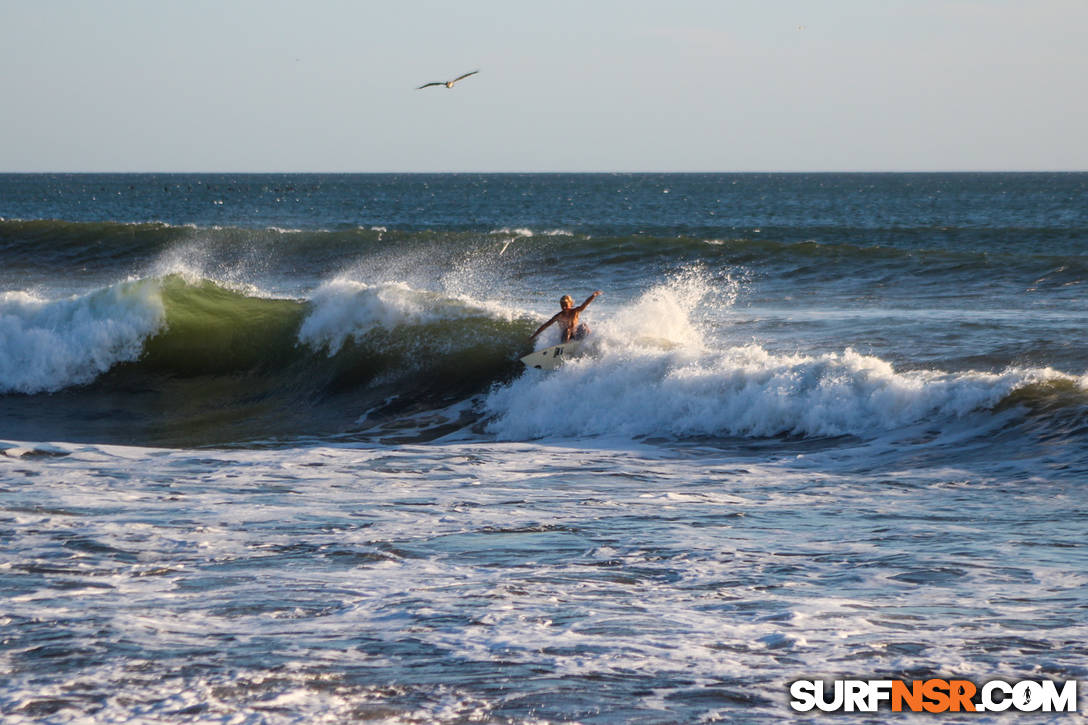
{"points": [[545, 325], [589, 299]]}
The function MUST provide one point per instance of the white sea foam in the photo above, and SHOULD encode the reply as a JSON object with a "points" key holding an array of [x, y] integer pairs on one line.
{"points": [[651, 371], [743, 391], [47, 345], [285, 230], [565, 564], [526, 232]]}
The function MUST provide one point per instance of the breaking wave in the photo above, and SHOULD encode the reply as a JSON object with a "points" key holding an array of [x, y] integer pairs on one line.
{"points": [[223, 363], [743, 391], [47, 345]]}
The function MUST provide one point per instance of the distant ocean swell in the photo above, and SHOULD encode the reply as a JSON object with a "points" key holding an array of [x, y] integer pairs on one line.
{"points": [[816, 252], [354, 355]]}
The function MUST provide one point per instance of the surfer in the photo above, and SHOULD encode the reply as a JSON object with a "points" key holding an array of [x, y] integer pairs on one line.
{"points": [[567, 317]]}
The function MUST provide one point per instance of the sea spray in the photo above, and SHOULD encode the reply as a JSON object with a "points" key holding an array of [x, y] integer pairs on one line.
{"points": [[344, 309], [676, 310]]}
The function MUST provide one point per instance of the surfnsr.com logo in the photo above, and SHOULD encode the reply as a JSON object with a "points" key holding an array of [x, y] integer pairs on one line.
{"points": [[933, 696]]}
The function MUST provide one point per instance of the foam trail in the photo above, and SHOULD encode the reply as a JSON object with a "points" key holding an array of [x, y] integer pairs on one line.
{"points": [[47, 345], [744, 391]]}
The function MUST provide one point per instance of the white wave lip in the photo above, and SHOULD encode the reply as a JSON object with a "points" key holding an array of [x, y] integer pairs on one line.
{"points": [[346, 309], [744, 391], [48, 345], [518, 232]]}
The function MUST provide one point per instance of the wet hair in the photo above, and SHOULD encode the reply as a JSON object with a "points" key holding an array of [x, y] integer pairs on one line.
{"points": [[566, 298]]}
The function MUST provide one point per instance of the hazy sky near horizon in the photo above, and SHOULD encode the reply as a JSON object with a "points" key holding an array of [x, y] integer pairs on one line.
{"points": [[603, 85]]}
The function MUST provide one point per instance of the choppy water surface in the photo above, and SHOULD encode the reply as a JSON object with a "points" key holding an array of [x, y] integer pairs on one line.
{"points": [[520, 580], [268, 454]]}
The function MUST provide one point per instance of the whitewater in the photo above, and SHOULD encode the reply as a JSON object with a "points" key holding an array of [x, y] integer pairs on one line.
{"points": [[270, 456]]}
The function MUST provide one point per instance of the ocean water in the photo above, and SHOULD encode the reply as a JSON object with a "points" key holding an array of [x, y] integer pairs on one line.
{"points": [[267, 453]]}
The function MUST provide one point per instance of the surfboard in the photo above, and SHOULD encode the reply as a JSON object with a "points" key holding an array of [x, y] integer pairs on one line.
{"points": [[552, 357]]}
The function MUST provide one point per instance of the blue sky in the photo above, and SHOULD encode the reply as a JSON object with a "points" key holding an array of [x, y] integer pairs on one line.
{"points": [[593, 85]]}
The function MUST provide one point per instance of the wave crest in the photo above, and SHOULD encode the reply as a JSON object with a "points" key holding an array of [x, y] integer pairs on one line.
{"points": [[745, 392], [344, 310], [47, 345]]}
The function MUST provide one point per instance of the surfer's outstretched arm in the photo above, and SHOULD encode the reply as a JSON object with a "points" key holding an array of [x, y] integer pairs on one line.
{"points": [[544, 327], [590, 299]]}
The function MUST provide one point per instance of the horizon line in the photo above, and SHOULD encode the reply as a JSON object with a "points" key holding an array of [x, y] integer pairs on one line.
{"points": [[587, 172]]}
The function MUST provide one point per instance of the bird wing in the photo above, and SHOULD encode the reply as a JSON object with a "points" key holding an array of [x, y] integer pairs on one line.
{"points": [[466, 75], [435, 83]]}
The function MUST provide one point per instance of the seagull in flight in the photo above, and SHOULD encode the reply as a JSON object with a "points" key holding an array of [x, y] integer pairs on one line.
{"points": [[449, 84]]}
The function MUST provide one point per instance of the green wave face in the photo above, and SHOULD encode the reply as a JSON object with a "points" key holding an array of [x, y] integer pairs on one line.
{"points": [[210, 329], [197, 362]]}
